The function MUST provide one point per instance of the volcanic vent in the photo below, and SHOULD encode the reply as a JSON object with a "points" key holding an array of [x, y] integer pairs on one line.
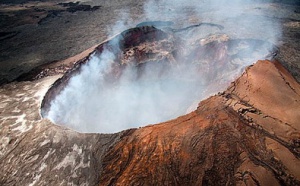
{"points": [[147, 75]]}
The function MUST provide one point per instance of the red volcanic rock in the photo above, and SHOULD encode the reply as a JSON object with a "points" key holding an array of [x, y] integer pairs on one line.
{"points": [[247, 135]]}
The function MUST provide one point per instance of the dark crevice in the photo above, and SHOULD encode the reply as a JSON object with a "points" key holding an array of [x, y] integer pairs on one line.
{"points": [[287, 83], [198, 25]]}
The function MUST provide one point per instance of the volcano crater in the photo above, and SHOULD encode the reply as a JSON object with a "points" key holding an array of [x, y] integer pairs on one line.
{"points": [[145, 76]]}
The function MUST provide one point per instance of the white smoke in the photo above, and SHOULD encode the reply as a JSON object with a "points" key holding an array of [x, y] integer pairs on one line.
{"points": [[88, 104], [77, 103]]}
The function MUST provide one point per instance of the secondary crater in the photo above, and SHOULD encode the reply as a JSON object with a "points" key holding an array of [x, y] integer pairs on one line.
{"points": [[147, 75]]}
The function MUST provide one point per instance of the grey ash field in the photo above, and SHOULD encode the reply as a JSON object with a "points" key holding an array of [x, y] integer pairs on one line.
{"points": [[232, 138]]}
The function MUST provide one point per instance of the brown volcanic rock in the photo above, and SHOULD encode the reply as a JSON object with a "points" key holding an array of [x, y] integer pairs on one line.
{"points": [[198, 148], [246, 135], [268, 97]]}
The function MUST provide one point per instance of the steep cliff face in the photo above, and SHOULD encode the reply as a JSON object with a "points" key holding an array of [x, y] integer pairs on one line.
{"points": [[248, 134]]}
